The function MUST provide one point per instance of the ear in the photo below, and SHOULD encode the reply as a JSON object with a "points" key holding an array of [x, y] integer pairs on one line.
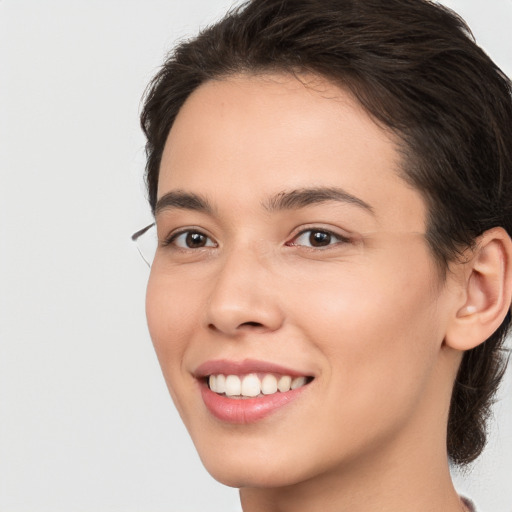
{"points": [[486, 291]]}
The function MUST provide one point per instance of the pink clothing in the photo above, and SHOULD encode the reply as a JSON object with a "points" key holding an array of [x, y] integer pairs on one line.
{"points": [[468, 504]]}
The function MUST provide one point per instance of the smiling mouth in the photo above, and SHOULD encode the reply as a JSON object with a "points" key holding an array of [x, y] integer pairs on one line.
{"points": [[254, 385]]}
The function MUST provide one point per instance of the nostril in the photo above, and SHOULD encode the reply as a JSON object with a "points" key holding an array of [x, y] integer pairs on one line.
{"points": [[251, 324], [242, 326]]}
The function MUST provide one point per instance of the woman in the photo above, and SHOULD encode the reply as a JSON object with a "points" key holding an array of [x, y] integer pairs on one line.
{"points": [[332, 188]]}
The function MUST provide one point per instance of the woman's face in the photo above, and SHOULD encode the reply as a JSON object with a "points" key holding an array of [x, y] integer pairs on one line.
{"points": [[290, 247]]}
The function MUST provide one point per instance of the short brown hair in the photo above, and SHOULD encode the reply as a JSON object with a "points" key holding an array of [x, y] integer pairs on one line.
{"points": [[416, 69]]}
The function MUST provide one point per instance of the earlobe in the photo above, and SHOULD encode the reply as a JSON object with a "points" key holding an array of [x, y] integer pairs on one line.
{"points": [[487, 291]]}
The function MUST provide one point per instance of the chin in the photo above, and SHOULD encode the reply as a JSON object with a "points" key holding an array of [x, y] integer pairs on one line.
{"points": [[255, 475], [255, 470]]}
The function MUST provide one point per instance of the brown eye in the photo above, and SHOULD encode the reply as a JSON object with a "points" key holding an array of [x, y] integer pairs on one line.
{"points": [[192, 240], [319, 238], [195, 240]]}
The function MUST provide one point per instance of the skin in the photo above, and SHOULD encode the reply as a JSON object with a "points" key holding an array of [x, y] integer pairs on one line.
{"points": [[366, 316]]}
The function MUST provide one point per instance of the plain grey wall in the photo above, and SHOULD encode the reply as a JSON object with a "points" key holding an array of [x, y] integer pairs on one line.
{"points": [[86, 423]]}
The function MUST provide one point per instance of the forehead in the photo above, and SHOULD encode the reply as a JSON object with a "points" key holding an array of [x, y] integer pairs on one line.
{"points": [[246, 137]]}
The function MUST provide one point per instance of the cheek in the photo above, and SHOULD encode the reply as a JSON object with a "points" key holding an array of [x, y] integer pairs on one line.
{"points": [[377, 328], [369, 300], [172, 314], [171, 311]]}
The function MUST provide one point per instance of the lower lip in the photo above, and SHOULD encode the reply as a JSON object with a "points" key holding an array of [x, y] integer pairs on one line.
{"points": [[246, 410]]}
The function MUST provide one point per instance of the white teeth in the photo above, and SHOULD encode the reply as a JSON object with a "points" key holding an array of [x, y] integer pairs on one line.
{"points": [[233, 385], [220, 383], [298, 382], [284, 383], [251, 386], [212, 382], [269, 385]]}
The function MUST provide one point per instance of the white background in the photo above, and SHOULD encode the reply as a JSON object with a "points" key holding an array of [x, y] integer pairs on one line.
{"points": [[85, 420]]}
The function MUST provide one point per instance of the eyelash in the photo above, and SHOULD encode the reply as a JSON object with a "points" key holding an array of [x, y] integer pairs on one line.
{"points": [[339, 239], [171, 240]]}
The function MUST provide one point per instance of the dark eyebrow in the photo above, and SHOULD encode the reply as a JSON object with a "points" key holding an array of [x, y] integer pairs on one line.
{"points": [[300, 198], [184, 201]]}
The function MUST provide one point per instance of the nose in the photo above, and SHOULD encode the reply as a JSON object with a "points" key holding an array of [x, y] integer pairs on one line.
{"points": [[244, 296]]}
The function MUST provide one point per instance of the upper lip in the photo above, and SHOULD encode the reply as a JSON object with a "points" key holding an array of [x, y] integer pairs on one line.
{"points": [[226, 367]]}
